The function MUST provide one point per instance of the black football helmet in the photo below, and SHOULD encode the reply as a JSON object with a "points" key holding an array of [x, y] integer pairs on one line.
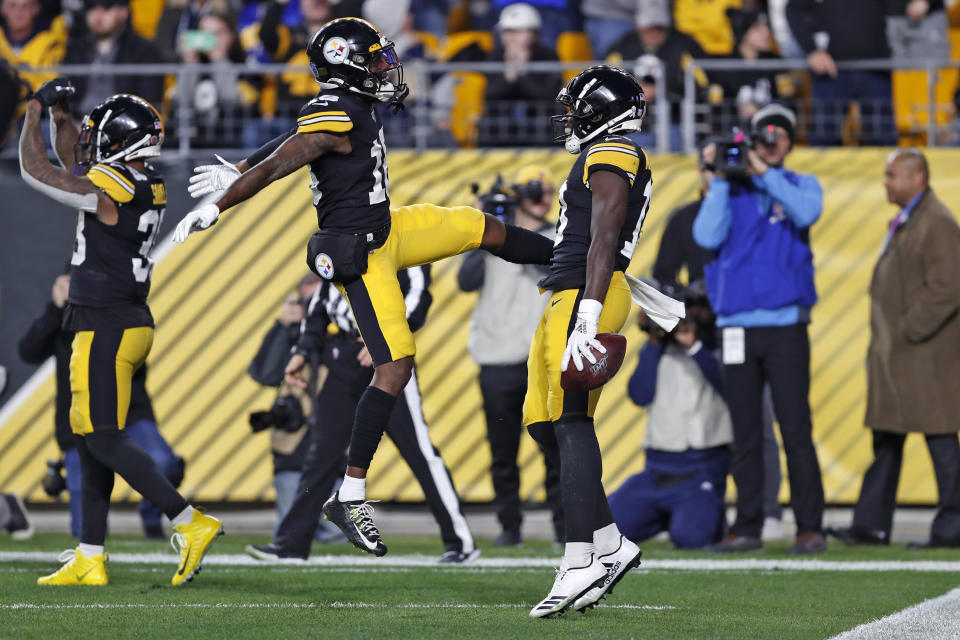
{"points": [[352, 54], [121, 128], [601, 99]]}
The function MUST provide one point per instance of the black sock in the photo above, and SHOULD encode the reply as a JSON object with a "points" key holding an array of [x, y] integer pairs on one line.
{"points": [[546, 438], [580, 475], [370, 421], [94, 496], [116, 450], [523, 246]]}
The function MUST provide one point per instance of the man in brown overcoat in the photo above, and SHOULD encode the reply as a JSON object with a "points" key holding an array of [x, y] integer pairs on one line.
{"points": [[913, 363]]}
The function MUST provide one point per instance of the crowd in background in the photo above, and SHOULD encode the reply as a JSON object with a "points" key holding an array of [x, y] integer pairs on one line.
{"points": [[651, 38]]}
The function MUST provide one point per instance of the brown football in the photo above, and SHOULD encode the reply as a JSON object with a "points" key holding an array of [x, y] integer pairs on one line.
{"points": [[595, 375]]}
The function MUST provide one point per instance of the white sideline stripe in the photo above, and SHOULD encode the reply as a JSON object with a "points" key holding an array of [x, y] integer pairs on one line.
{"points": [[309, 605], [692, 564], [933, 619]]}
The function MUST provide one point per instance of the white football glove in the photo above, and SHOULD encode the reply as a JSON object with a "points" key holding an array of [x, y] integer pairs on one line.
{"points": [[211, 178], [197, 220], [583, 336]]}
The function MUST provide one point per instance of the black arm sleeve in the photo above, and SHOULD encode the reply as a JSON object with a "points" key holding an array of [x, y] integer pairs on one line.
{"points": [[264, 152], [470, 274], [800, 19], [313, 329], [39, 342], [419, 294], [269, 36]]}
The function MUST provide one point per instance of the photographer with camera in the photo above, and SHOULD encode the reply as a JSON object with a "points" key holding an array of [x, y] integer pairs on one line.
{"points": [[688, 434], [45, 338], [756, 216], [503, 323], [349, 369]]}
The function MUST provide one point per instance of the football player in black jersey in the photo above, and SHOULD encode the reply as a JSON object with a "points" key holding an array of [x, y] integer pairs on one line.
{"points": [[120, 200], [603, 203], [361, 243]]}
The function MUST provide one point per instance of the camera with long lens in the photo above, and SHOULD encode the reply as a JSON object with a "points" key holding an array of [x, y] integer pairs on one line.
{"points": [[286, 414], [732, 160], [500, 200]]}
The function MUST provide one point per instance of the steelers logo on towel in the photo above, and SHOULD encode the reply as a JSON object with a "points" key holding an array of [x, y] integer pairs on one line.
{"points": [[324, 266], [336, 50]]}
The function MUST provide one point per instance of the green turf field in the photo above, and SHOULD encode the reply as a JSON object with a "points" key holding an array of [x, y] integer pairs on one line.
{"points": [[412, 598]]}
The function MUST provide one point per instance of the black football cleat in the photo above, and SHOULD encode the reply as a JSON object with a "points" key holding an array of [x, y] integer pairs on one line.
{"points": [[355, 519], [455, 556], [271, 553]]}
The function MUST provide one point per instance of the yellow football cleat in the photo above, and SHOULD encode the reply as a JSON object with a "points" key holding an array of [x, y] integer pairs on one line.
{"points": [[79, 570], [192, 541]]}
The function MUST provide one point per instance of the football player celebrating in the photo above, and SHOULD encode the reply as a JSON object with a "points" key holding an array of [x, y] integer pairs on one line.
{"points": [[121, 201], [603, 203], [361, 243]]}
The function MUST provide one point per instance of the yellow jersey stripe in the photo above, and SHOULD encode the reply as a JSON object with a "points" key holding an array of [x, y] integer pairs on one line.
{"points": [[629, 163], [108, 182], [334, 126], [617, 145], [342, 114], [116, 174]]}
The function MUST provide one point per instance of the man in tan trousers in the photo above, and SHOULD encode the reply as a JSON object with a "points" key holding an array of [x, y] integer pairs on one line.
{"points": [[913, 363]]}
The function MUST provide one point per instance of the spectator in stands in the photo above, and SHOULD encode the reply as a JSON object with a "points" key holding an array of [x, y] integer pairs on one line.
{"points": [[28, 41], [14, 517], [836, 30], [14, 92], [761, 287], [705, 20], [556, 16], [917, 29], [179, 17], [111, 40], [656, 40], [502, 326], [687, 439], [430, 16], [606, 21], [46, 338], [745, 90], [913, 362], [513, 96], [787, 45]]}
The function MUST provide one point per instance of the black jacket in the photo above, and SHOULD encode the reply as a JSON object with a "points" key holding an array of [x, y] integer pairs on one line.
{"points": [[46, 338], [857, 28], [528, 86], [678, 248], [673, 53], [131, 49]]}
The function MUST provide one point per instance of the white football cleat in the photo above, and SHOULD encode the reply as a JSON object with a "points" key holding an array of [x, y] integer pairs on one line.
{"points": [[571, 583], [626, 557]]}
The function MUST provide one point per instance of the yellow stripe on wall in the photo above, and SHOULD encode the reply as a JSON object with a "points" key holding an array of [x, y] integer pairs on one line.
{"points": [[216, 296]]}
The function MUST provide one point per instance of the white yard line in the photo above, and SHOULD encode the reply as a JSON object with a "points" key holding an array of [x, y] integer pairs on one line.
{"points": [[934, 619], [20, 606], [361, 560]]}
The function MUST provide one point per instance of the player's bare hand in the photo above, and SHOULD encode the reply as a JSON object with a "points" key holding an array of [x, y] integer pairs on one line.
{"points": [[211, 178], [203, 217], [61, 291], [292, 375], [364, 357]]}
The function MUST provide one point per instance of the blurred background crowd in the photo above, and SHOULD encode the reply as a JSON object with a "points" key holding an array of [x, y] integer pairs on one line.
{"points": [[485, 72]]}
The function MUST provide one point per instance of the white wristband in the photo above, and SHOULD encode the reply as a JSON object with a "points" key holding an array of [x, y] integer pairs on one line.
{"points": [[590, 308]]}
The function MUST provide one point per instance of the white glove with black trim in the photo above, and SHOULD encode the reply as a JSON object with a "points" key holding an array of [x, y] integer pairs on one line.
{"points": [[211, 178], [197, 220], [583, 336]]}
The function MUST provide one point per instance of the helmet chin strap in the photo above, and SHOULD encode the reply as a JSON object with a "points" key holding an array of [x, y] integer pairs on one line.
{"points": [[573, 144]]}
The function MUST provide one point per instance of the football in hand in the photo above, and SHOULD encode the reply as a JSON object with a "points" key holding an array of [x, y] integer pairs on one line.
{"points": [[595, 375]]}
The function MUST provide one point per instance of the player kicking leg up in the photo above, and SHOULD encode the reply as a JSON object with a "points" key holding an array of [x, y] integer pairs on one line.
{"points": [[361, 244], [604, 202], [120, 200]]}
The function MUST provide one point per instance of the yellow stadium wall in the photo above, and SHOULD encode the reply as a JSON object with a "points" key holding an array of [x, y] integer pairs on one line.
{"points": [[215, 297]]}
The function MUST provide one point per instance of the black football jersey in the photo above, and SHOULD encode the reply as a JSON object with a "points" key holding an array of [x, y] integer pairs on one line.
{"points": [[111, 266], [350, 191], [620, 155]]}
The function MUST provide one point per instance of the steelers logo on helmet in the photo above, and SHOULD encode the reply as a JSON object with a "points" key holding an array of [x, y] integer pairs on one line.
{"points": [[324, 266], [336, 50]]}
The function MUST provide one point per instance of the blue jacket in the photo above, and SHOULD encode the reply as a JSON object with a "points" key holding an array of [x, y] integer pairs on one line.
{"points": [[763, 271]]}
